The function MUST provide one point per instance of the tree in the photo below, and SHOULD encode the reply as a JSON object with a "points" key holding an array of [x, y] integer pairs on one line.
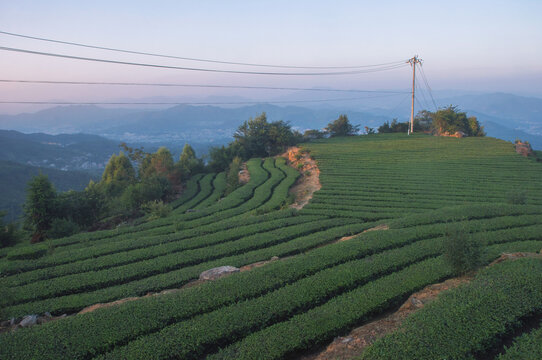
{"points": [[313, 135], [40, 206], [221, 157], [475, 128], [423, 121], [118, 169], [160, 163], [232, 179], [188, 162], [394, 127], [451, 120], [135, 154], [257, 137], [341, 127], [384, 128]]}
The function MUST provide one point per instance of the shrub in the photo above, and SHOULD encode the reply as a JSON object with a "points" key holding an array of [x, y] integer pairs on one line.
{"points": [[461, 251], [61, 228], [156, 209]]}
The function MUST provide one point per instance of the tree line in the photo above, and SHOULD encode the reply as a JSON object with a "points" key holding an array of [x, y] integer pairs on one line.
{"points": [[446, 121]]}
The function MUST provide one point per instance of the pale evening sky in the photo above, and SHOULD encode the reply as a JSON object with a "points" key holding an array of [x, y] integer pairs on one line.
{"points": [[493, 46]]}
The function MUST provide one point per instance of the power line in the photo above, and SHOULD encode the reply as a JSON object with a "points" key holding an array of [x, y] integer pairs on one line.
{"points": [[421, 90], [193, 86], [428, 87], [73, 57], [190, 103], [195, 59]]}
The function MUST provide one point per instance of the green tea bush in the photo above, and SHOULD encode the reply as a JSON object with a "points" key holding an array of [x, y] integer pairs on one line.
{"points": [[461, 251]]}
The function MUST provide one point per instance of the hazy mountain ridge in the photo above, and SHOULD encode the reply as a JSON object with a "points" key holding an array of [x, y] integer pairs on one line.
{"points": [[62, 152], [213, 125], [15, 176]]}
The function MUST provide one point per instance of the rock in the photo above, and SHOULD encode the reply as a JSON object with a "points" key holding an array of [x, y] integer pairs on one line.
{"points": [[29, 320], [274, 258], [346, 340], [416, 302], [12, 321], [47, 314], [191, 211], [218, 272]]}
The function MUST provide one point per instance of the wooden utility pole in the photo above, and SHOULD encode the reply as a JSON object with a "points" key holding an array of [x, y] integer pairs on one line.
{"points": [[413, 63]]}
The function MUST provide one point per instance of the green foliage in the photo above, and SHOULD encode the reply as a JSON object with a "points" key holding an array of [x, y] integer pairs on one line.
{"points": [[257, 137], [159, 164], [527, 347], [470, 319], [150, 189], [61, 227], [221, 157], [40, 206], [423, 121], [28, 252], [15, 176], [309, 135], [188, 163], [394, 127], [461, 251], [8, 232], [416, 185], [254, 138], [232, 179], [156, 209], [341, 127], [119, 170], [369, 131], [516, 197], [451, 120]]}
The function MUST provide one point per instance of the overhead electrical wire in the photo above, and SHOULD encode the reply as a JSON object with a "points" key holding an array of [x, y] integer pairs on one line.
{"points": [[55, 82], [428, 87], [74, 57], [421, 90], [195, 59], [393, 112], [190, 102]]}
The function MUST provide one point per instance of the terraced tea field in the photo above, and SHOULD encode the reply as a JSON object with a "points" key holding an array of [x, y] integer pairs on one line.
{"points": [[320, 287]]}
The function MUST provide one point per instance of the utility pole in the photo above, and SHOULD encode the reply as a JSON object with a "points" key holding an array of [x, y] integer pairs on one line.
{"points": [[413, 63]]}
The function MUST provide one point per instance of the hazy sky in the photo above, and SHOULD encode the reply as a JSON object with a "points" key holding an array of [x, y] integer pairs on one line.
{"points": [[493, 46]]}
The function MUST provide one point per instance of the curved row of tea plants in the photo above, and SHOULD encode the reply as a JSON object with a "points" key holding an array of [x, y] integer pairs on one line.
{"points": [[476, 315]]}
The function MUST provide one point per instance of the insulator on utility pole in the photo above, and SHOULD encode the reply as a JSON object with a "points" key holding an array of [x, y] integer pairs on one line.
{"points": [[415, 60]]}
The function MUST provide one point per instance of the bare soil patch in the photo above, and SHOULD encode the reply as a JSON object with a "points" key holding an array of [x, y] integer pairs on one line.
{"points": [[376, 228], [309, 181], [353, 344], [244, 175]]}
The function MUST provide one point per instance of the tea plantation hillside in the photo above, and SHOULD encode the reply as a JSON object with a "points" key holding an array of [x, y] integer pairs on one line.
{"points": [[419, 186]]}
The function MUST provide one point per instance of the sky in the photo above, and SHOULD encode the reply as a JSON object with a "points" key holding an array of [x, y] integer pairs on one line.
{"points": [[480, 46]]}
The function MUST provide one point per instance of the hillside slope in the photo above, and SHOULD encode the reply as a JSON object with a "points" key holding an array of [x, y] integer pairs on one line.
{"points": [[14, 178], [318, 288]]}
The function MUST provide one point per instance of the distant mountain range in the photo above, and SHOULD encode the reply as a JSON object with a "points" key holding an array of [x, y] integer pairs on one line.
{"points": [[505, 116], [61, 152]]}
